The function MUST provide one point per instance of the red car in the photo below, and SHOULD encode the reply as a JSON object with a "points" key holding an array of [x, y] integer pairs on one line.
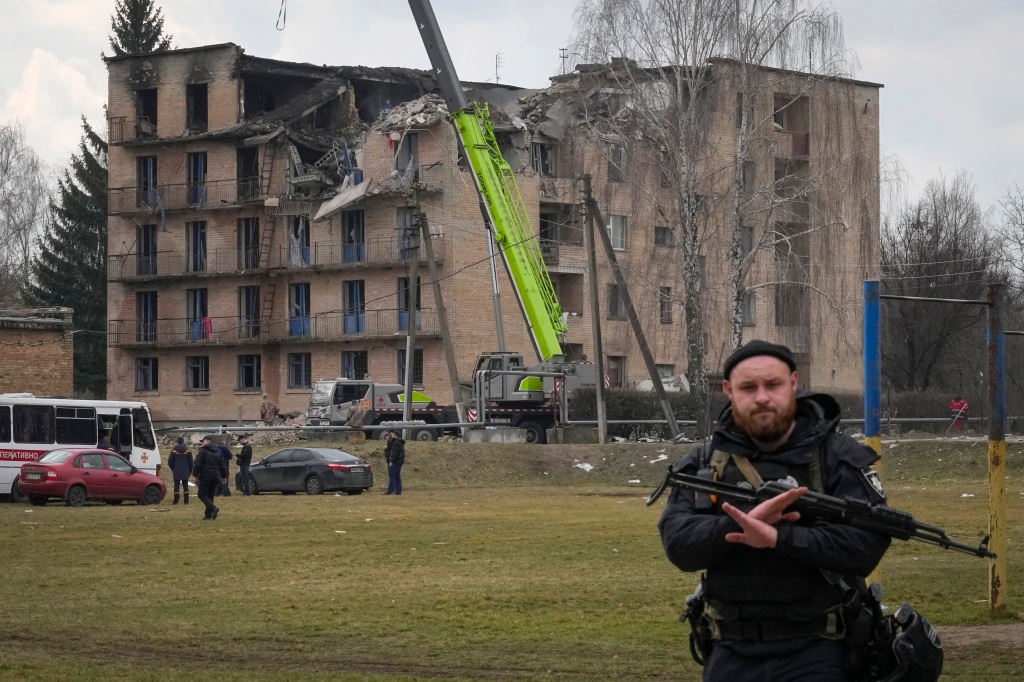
{"points": [[76, 476]]}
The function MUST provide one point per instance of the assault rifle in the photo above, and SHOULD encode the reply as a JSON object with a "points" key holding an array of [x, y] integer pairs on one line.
{"points": [[860, 513]]}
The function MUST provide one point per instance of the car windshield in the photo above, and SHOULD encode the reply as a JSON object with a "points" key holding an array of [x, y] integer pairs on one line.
{"points": [[322, 391], [56, 456]]}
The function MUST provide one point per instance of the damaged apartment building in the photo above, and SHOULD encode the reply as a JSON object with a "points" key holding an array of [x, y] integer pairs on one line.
{"points": [[262, 219]]}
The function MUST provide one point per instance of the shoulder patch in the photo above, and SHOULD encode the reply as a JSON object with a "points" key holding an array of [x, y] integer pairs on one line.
{"points": [[873, 481]]}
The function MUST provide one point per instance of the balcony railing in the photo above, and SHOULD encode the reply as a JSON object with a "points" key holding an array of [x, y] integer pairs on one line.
{"points": [[549, 251], [210, 194], [123, 129], [237, 330], [373, 252]]}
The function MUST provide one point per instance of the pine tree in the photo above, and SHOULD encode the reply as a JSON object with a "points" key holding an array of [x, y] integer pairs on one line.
{"points": [[70, 266], [138, 28]]}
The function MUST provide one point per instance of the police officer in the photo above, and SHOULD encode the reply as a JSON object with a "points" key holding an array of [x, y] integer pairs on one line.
{"points": [[774, 583], [210, 470]]}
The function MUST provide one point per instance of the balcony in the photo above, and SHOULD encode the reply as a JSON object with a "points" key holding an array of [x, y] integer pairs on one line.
{"points": [[190, 195], [129, 267], [236, 330], [124, 129], [792, 145]]}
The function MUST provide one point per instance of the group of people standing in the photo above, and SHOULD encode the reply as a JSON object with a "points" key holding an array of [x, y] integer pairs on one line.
{"points": [[210, 469]]}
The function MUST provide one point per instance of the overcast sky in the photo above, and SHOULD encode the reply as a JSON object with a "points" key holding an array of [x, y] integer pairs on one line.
{"points": [[952, 98]]}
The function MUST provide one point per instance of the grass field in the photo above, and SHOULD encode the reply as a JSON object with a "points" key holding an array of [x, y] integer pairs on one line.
{"points": [[499, 563]]}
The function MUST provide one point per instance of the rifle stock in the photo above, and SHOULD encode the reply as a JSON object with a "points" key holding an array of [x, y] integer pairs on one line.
{"points": [[818, 506]]}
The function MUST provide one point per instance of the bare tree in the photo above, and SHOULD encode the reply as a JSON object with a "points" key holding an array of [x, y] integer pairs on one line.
{"points": [[676, 71], [24, 209], [940, 247]]}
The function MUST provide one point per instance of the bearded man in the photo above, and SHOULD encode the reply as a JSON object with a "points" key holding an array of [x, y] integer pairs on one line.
{"points": [[774, 584]]}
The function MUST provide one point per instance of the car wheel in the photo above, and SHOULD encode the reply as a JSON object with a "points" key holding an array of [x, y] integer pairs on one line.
{"points": [[76, 496], [37, 500], [314, 486], [354, 491], [17, 496], [151, 496], [253, 488], [113, 503], [424, 435], [535, 434]]}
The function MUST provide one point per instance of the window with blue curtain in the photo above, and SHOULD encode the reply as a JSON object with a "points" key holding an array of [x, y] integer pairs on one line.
{"points": [[353, 236], [195, 233], [403, 304], [146, 181], [197, 178], [248, 243], [198, 328], [248, 312], [354, 299], [298, 312], [146, 315]]}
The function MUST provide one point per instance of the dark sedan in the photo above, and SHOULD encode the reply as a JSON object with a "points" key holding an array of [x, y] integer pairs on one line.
{"points": [[314, 470]]}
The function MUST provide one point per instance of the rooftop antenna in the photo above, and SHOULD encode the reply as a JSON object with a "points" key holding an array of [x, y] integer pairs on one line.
{"points": [[499, 61], [563, 54]]}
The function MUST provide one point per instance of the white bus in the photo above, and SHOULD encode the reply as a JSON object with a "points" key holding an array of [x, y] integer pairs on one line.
{"points": [[30, 427]]}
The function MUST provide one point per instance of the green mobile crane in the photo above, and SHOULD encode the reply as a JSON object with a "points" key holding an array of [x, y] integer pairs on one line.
{"points": [[501, 379]]}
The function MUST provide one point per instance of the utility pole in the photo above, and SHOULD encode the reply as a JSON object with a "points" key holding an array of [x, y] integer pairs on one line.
{"points": [[442, 318], [595, 316], [412, 291], [634, 321]]}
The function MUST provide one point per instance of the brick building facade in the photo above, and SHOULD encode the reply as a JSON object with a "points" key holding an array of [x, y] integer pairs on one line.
{"points": [[36, 351], [258, 234]]}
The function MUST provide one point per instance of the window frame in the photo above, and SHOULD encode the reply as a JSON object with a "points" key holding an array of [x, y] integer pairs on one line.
{"points": [[251, 363], [303, 362], [152, 372], [202, 364]]}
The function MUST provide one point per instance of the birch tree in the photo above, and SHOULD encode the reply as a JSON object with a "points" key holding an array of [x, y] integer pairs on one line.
{"points": [[24, 201], [684, 67]]}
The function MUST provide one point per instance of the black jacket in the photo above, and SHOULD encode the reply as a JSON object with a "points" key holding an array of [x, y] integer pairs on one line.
{"points": [[786, 582], [394, 453], [209, 465], [180, 462], [245, 456]]}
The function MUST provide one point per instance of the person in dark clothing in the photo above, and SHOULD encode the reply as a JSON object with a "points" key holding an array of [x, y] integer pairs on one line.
{"points": [[243, 461], [210, 470], [180, 463], [104, 443], [394, 454], [225, 452], [774, 583]]}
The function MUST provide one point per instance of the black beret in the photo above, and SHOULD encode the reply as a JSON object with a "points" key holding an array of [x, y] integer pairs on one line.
{"points": [[755, 348]]}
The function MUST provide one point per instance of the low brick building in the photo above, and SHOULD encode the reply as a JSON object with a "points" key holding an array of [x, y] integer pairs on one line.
{"points": [[36, 351]]}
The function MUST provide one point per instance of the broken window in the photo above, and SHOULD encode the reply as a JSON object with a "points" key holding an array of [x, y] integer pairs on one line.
{"points": [[664, 236], [403, 303], [145, 111], [250, 372], [199, 326], [748, 179], [792, 307], [197, 194], [746, 240], [665, 304], [298, 241], [248, 174], [147, 374], [616, 303], [353, 236], [417, 366], [146, 245], [793, 252], [145, 311], [616, 371], [406, 151], [195, 244], [300, 370], [353, 296], [197, 373], [617, 163], [355, 364], [617, 231], [248, 243], [298, 309], [544, 159], [749, 309], [406, 227], [791, 113], [196, 107], [249, 312], [146, 181]]}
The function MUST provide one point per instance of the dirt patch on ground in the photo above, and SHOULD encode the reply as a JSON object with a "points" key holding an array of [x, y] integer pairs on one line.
{"points": [[956, 637]]}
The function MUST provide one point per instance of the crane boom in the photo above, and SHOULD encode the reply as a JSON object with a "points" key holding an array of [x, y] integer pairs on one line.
{"points": [[500, 199]]}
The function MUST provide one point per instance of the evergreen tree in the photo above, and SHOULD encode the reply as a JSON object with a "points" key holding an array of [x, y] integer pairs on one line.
{"points": [[138, 28], [70, 266]]}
